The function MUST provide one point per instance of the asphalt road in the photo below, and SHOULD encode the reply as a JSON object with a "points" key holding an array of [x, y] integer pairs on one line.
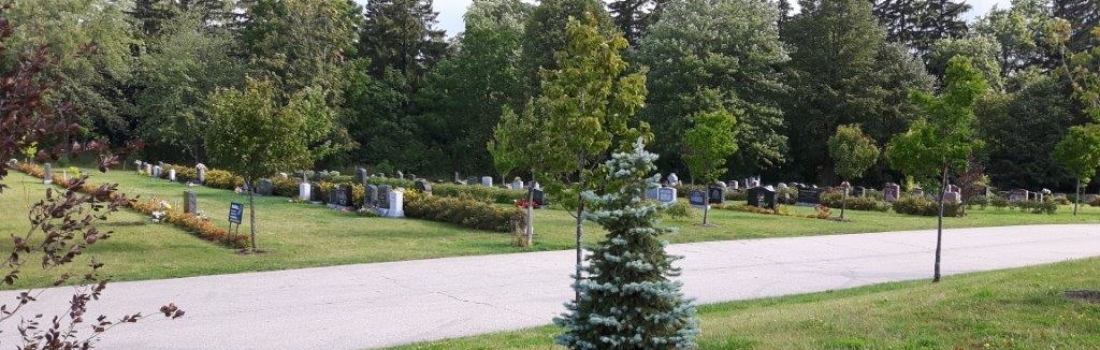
{"points": [[377, 305]]}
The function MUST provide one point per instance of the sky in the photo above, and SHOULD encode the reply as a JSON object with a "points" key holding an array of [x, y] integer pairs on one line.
{"points": [[451, 11]]}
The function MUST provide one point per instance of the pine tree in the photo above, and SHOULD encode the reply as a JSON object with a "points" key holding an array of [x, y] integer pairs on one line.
{"points": [[401, 35], [628, 302], [633, 16], [918, 24]]}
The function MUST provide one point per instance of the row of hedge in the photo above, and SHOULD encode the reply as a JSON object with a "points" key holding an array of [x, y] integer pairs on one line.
{"points": [[465, 212], [466, 206], [200, 227]]}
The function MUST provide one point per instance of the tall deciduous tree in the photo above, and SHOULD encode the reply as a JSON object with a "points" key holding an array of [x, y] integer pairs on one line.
{"points": [[629, 301], [1079, 153], [93, 36], [944, 137], [708, 145], [252, 134], [1083, 16], [717, 52], [843, 72], [853, 153], [587, 105]]}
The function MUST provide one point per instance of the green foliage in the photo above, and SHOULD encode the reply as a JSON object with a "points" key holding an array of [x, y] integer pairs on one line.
{"points": [[628, 300], [710, 55], [513, 143], [464, 212], [1079, 152], [835, 200], [842, 71], [999, 202], [252, 135], [708, 144], [479, 193], [586, 104], [922, 206], [945, 136], [546, 35], [852, 151], [980, 200], [983, 50], [679, 210], [920, 24]]}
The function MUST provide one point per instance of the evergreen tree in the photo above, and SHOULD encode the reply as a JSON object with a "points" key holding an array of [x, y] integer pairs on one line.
{"points": [[628, 302], [401, 35], [918, 24], [843, 72], [634, 16], [727, 53]]}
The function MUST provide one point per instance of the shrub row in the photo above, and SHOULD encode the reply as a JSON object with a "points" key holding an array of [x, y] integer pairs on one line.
{"points": [[197, 226], [835, 200], [480, 193], [464, 211], [922, 206]]}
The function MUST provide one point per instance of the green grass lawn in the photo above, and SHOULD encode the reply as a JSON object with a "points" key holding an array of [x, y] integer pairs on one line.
{"points": [[1010, 309], [305, 235]]}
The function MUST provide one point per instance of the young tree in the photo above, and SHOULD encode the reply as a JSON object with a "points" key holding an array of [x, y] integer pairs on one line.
{"points": [[707, 145], [1079, 152], [586, 106], [545, 35], [853, 153], [251, 134], [944, 137], [514, 147], [629, 301]]}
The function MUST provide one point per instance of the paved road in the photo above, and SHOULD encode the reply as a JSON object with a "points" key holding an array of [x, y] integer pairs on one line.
{"points": [[375, 305]]}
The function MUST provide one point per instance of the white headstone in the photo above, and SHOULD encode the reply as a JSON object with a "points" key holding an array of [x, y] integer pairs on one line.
{"points": [[156, 171], [201, 170], [47, 173], [397, 205], [172, 174], [673, 180], [517, 184], [666, 195], [487, 181], [304, 191], [149, 169]]}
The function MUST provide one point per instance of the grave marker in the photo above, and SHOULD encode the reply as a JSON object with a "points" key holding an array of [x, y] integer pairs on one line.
{"points": [[47, 173], [190, 202]]}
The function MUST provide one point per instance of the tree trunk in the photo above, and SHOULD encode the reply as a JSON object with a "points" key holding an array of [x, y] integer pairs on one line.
{"points": [[530, 230], [706, 207], [843, 202], [939, 226], [580, 249], [252, 213], [1077, 197]]}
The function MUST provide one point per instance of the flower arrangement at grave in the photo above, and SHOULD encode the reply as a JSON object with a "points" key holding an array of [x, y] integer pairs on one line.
{"points": [[627, 301]]}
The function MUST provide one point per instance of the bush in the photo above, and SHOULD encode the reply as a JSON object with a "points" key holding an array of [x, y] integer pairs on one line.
{"points": [[464, 212], [1044, 207], [1095, 202], [999, 202], [222, 179], [1062, 201], [479, 193], [680, 210], [285, 187], [835, 200], [923, 206], [980, 200]]}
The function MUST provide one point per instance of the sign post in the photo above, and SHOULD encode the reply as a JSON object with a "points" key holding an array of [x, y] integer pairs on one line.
{"points": [[236, 212]]}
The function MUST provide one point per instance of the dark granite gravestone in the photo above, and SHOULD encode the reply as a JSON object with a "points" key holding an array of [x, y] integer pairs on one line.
{"points": [[716, 195], [384, 196], [539, 197], [807, 196], [763, 197], [371, 196], [424, 186], [697, 197], [265, 188]]}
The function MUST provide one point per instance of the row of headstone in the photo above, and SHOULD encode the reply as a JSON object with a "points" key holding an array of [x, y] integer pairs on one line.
{"points": [[664, 195]]}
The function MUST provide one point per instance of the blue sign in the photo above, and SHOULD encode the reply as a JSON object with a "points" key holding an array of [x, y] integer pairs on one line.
{"points": [[236, 211]]}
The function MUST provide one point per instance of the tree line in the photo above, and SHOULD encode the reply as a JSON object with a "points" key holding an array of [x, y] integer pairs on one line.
{"points": [[378, 83]]}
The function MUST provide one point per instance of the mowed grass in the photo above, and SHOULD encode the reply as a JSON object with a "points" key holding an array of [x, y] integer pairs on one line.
{"points": [[1020, 309], [304, 235]]}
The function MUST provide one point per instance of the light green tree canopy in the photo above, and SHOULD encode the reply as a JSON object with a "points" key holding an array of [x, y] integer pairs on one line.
{"points": [[944, 136], [1079, 151], [709, 142], [852, 151], [251, 134]]}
